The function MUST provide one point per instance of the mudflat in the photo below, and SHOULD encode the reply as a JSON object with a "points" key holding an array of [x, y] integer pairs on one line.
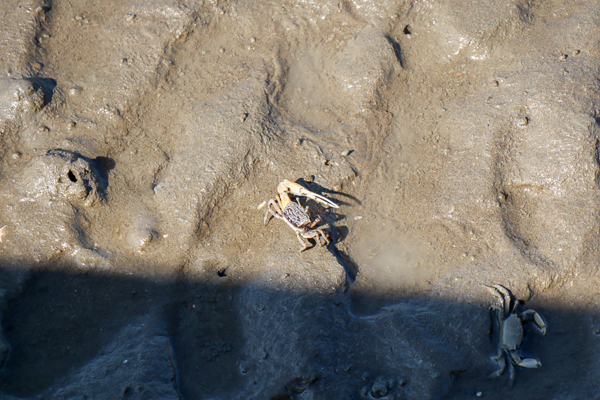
{"points": [[138, 141]]}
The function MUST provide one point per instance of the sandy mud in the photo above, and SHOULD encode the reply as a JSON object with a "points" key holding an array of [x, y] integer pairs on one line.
{"points": [[138, 139]]}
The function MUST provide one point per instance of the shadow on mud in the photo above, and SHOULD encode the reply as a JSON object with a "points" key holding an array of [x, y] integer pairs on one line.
{"points": [[228, 341]]}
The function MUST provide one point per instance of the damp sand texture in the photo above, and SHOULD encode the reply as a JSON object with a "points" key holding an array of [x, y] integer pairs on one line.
{"points": [[137, 140]]}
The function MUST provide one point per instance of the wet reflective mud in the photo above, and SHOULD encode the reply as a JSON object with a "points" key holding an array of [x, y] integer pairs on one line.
{"points": [[138, 140]]}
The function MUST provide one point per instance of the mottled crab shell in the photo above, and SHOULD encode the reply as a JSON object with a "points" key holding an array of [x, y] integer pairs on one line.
{"points": [[295, 215]]}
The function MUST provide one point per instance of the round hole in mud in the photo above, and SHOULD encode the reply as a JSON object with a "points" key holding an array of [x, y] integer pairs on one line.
{"points": [[72, 176]]}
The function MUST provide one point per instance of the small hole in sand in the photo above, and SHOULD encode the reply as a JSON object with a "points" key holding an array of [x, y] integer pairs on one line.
{"points": [[72, 176]]}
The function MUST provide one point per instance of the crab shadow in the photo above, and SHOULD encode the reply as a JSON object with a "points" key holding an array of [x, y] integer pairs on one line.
{"points": [[338, 235]]}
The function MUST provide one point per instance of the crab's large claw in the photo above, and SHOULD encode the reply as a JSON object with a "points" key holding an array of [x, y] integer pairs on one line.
{"points": [[299, 190], [537, 319], [529, 362]]}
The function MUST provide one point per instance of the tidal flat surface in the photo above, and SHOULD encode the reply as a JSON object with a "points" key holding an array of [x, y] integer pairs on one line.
{"points": [[138, 139]]}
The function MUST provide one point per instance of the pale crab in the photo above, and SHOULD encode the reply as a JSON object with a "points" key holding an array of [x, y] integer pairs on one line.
{"points": [[284, 207], [511, 333]]}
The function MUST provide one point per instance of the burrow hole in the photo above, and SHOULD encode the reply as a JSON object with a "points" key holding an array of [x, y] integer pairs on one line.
{"points": [[72, 176]]}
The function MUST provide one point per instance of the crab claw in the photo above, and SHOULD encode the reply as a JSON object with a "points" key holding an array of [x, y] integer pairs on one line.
{"points": [[299, 190], [528, 315], [530, 363]]}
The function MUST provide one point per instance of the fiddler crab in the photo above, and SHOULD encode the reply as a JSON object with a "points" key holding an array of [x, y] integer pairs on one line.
{"points": [[511, 333], [284, 207]]}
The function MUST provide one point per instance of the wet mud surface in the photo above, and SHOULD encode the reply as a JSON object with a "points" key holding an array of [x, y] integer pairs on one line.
{"points": [[137, 141]]}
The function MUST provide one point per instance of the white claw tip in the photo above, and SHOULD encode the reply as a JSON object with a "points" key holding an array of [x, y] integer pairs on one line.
{"points": [[261, 205], [3, 232]]}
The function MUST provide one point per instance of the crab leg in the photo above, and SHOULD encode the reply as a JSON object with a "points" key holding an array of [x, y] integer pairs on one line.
{"points": [[303, 241], [315, 222], [511, 374], [273, 209], [531, 315], [499, 312], [324, 236], [508, 298], [501, 360], [299, 190], [496, 292], [320, 234]]}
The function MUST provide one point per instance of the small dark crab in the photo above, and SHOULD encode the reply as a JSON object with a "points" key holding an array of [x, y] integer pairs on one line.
{"points": [[284, 207], [511, 333]]}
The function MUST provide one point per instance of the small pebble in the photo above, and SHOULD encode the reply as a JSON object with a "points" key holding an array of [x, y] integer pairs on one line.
{"points": [[309, 179], [16, 155], [479, 394], [43, 129], [563, 57], [130, 17], [337, 187], [495, 83], [298, 142], [221, 50], [252, 40], [576, 52], [345, 153], [522, 121]]}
